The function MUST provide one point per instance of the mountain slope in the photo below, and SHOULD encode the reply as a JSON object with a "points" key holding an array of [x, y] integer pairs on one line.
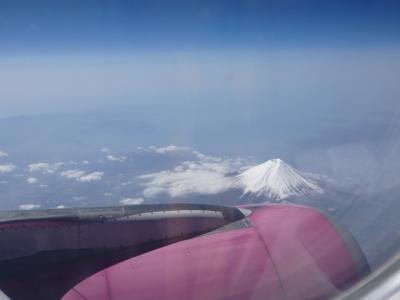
{"points": [[276, 180]]}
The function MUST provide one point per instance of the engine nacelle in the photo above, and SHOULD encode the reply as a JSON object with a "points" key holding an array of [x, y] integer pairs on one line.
{"points": [[275, 252]]}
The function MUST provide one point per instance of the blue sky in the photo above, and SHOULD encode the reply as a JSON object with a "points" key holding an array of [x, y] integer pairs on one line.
{"points": [[84, 55], [63, 26], [58, 56]]}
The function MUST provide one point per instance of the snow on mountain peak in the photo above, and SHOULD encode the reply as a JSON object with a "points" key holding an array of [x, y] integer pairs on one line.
{"points": [[276, 180]]}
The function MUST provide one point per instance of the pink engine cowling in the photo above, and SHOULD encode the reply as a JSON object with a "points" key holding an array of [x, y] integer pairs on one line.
{"points": [[276, 252]]}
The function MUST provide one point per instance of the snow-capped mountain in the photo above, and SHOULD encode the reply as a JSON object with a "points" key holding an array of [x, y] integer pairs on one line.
{"points": [[276, 180]]}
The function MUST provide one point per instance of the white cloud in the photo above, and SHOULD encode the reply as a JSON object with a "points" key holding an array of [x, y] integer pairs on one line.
{"points": [[108, 194], [31, 180], [152, 190], [200, 157], [7, 168], [131, 201], [45, 168], [39, 167], [205, 176], [86, 162], [111, 157], [29, 206], [60, 206], [72, 173], [3, 154], [178, 149], [95, 176], [81, 176], [171, 148], [178, 184], [106, 150]]}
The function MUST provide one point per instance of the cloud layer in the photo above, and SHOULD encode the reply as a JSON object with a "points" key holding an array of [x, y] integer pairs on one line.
{"points": [[111, 157], [6, 168], [29, 206], [45, 168], [131, 201], [31, 180], [205, 175], [95, 176], [81, 176], [72, 173]]}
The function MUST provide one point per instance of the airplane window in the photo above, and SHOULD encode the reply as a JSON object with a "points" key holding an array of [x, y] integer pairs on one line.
{"points": [[242, 149]]}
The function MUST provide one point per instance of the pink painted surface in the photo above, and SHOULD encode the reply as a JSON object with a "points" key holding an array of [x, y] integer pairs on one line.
{"points": [[227, 265], [291, 252], [309, 254]]}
